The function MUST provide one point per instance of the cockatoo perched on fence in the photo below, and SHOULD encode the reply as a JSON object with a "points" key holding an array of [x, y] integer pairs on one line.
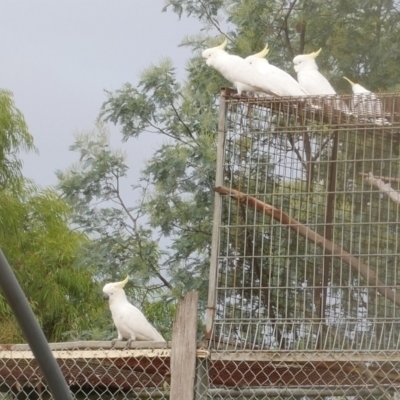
{"points": [[130, 322], [236, 70], [308, 75], [366, 104], [278, 79], [313, 81], [231, 67]]}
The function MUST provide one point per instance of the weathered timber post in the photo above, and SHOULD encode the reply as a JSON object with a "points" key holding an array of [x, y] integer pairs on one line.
{"points": [[184, 348]]}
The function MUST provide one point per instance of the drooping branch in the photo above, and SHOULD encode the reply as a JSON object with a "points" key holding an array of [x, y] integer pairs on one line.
{"points": [[313, 237], [213, 21], [285, 28], [135, 231], [383, 187], [296, 151], [324, 143], [307, 164], [188, 130]]}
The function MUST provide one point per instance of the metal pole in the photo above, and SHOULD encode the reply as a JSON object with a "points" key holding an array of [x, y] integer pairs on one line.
{"points": [[219, 179], [37, 342]]}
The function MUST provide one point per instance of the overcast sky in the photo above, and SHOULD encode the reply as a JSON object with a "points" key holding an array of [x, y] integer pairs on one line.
{"points": [[57, 57]]}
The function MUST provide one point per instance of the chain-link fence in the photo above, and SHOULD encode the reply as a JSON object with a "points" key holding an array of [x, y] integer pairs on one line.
{"points": [[92, 370], [304, 297]]}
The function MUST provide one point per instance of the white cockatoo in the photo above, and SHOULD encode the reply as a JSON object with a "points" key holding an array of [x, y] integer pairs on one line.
{"points": [[237, 71], [366, 104], [281, 81], [308, 75], [130, 322], [313, 81]]}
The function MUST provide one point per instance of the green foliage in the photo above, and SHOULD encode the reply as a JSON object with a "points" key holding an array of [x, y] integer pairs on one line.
{"points": [[161, 314], [42, 250], [38, 242], [14, 137], [359, 39], [203, 10], [120, 244]]}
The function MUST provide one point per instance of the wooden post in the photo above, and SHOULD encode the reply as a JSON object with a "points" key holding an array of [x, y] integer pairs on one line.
{"points": [[183, 349]]}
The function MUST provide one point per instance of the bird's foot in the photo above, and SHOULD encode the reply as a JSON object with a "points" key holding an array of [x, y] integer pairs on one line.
{"points": [[128, 344], [113, 342], [242, 94]]}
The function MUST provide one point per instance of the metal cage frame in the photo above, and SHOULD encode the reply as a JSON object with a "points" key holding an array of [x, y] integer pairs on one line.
{"points": [[303, 292]]}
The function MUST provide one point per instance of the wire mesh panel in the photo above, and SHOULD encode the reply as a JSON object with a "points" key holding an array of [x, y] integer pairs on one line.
{"points": [[92, 370], [308, 246]]}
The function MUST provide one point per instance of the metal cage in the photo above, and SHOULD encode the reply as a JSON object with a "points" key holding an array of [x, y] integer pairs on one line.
{"points": [[304, 296]]}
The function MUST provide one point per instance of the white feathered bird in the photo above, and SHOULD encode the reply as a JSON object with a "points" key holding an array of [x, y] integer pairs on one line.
{"points": [[313, 81], [308, 75], [130, 322], [282, 82], [366, 104], [237, 71]]}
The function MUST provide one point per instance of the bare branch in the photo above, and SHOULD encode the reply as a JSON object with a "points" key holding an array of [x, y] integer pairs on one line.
{"points": [[324, 143], [213, 20], [296, 151], [152, 267], [170, 135], [183, 123], [285, 28]]}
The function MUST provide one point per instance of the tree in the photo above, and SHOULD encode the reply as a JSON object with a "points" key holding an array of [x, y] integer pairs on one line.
{"points": [[358, 39], [14, 137], [42, 250], [120, 245], [179, 179], [38, 242]]}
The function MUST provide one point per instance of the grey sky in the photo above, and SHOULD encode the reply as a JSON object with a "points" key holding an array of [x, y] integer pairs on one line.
{"points": [[58, 56]]}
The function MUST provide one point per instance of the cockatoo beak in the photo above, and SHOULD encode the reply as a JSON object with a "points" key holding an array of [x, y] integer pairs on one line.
{"points": [[106, 296], [315, 54], [121, 284], [262, 53], [348, 80]]}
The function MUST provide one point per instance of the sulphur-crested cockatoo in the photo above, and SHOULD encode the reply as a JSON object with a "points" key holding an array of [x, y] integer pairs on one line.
{"points": [[308, 75], [281, 81], [237, 71], [313, 81], [366, 104], [130, 322]]}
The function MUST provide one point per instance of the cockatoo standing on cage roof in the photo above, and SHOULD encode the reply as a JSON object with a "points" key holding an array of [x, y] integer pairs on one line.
{"points": [[313, 81], [280, 80], [130, 322], [237, 71], [308, 75], [366, 104]]}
